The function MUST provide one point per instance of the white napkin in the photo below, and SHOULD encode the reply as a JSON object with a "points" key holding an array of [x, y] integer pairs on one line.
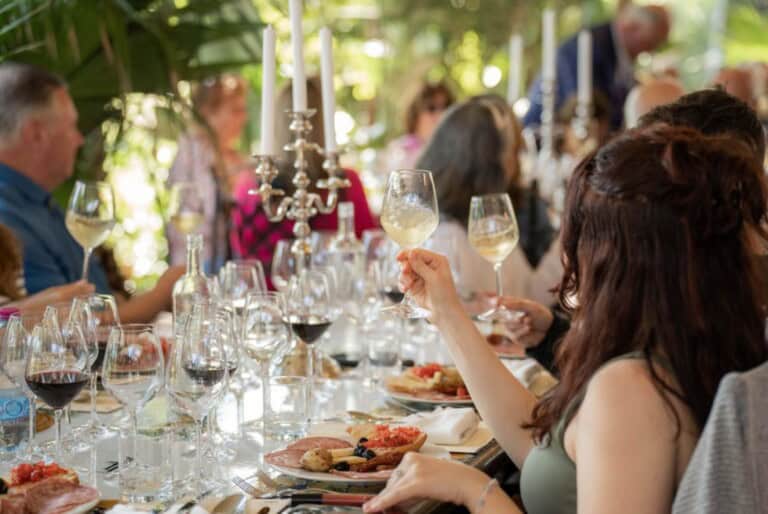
{"points": [[531, 374], [446, 425]]}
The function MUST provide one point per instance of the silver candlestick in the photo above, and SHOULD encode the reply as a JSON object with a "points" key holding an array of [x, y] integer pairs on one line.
{"points": [[548, 98], [302, 205]]}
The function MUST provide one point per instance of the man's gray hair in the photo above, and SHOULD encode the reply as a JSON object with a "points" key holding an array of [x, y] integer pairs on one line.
{"points": [[24, 89]]}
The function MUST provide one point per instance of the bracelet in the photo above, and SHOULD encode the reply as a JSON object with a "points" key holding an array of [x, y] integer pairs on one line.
{"points": [[488, 487]]}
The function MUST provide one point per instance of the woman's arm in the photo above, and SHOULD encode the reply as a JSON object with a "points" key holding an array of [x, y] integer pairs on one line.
{"points": [[502, 401], [422, 477], [145, 307], [625, 443]]}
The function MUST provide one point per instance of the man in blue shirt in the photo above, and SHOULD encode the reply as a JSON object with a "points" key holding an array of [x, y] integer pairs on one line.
{"points": [[615, 46], [39, 140]]}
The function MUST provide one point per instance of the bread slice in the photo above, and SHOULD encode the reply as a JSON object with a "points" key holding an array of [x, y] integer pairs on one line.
{"points": [[69, 476], [389, 457]]}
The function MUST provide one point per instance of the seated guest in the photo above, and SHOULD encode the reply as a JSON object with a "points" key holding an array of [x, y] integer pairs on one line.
{"points": [[12, 290], [253, 235], [737, 82], [599, 125], [644, 97], [39, 139], [421, 118], [209, 158], [710, 111], [668, 303], [475, 151]]}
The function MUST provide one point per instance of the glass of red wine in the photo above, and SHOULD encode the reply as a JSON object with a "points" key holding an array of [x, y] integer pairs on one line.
{"points": [[133, 372], [100, 311], [309, 311], [197, 378], [58, 366]]}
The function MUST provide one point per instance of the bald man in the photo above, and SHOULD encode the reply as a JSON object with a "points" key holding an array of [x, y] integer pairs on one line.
{"points": [[645, 97], [615, 46], [737, 82]]}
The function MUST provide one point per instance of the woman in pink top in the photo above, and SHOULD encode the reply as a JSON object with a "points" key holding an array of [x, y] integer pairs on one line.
{"points": [[252, 234]]}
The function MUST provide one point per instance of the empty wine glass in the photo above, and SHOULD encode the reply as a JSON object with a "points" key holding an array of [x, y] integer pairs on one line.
{"points": [[186, 210], [57, 366], [13, 360], [90, 216], [493, 233], [197, 378], [309, 313], [101, 310], [236, 279], [409, 216], [263, 332], [133, 373], [283, 265]]}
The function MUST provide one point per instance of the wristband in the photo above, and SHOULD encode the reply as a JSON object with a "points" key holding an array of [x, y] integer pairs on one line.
{"points": [[488, 488]]}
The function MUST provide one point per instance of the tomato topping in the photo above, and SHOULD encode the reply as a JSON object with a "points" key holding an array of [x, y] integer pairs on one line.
{"points": [[426, 371], [386, 437], [27, 472], [462, 391]]}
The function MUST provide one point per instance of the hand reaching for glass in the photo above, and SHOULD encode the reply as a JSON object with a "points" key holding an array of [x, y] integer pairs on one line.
{"points": [[532, 326], [426, 276]]}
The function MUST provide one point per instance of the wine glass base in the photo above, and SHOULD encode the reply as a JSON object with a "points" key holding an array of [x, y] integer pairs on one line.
{"points": [[498, 315], [407, 311]]}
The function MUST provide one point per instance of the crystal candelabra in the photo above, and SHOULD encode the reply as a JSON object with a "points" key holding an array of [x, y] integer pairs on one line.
{"points": [[547, 118], [303, 204]]}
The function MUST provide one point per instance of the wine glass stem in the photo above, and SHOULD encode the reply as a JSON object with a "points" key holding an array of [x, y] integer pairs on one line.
{"points": [[86, 260], [135, 435], [264, 377], [31, 426], [199, 450], [57, 417], [497, 269], [93, 400], [310, 379]]}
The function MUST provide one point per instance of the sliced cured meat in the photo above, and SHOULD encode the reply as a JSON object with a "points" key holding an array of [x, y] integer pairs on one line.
{"points": [[285, 458], [48, 496], [12, 504], [312, 443], [365, 475]]}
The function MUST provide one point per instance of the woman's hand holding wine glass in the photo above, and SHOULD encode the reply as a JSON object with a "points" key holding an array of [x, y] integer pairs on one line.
{"points": [[409, 216], [90, 216]]}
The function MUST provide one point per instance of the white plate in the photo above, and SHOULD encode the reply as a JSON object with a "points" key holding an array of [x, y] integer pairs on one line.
{"points": [[427, 449], [405, 397], [85, 507]]}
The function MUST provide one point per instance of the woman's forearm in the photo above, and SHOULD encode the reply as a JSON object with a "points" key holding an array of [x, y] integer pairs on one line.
{"points": [[503, 403]]}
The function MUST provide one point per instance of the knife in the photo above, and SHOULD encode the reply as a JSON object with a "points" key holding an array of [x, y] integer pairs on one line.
{"points": [[277, 504]]}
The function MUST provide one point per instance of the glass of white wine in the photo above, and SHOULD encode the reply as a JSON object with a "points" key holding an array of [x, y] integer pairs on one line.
{"points": [[90, 216], [186, 210], [409, 215], [494, 234]]}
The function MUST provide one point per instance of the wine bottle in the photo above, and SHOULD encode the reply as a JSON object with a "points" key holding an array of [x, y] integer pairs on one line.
{"points": [[190, 287]]}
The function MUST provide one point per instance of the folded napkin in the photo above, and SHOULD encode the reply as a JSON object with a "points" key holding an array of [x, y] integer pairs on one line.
{"points": [[532, 375], [446, 425]]}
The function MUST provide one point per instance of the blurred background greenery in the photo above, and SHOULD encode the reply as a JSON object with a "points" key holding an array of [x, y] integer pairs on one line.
{"points": [[130, 64]]}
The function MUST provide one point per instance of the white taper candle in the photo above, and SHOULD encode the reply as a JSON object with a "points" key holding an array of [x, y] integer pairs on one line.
{"points": [[515, 68], [297, 43], [329, 94], [585, 66], [548, 43], [268, 92]]}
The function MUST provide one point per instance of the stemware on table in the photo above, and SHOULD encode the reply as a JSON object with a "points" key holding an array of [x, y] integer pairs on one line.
{"points": [[409, 216], [283, 265], [57, 366], [494, 234], [197, 379], [90, 216], [133, 372]]}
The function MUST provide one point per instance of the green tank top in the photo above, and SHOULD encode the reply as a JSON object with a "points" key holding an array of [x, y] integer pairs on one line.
{"points": [[548, 477]]}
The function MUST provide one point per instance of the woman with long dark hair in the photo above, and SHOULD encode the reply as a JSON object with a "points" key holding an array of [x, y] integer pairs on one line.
{"points": [[474, 151], [665, 300]]}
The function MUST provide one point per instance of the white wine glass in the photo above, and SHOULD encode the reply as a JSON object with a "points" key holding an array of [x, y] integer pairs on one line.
{"points": [[494, 234], [409, 216], [186, 210], [90, 216], [283, 265]]}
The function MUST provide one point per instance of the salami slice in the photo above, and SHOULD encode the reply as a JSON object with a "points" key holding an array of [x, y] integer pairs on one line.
{"points": [[12, 504], [312, 443], [67, 501], [54, 496], [285, 458]]}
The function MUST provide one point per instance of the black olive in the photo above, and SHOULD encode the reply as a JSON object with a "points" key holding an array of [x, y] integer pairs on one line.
{"points": [[359, 450], [341, 466], [369, 454], [3, 486], [363, 440]]}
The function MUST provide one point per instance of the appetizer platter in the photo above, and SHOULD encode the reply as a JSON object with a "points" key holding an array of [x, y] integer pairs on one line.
{"points": [[39, 488], [364, 454], [431, 383]]}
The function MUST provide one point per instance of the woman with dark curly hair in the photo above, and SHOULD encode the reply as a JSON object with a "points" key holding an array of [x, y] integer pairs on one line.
{"points": [[665, 299]]}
